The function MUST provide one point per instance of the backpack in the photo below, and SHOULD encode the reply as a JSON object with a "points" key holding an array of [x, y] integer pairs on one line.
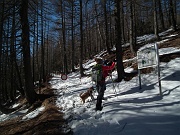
{"points": [[97, 74]]}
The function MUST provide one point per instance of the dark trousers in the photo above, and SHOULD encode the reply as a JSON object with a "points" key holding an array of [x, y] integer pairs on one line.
{"points": [[101, 86]]}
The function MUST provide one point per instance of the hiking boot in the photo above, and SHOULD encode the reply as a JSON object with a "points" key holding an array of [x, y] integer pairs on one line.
{"points": [[99, 108]]}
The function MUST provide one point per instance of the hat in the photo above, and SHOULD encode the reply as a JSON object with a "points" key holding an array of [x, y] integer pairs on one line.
{"points": [[99, 60]]}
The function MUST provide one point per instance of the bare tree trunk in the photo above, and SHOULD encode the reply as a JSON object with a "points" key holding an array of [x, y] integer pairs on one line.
{"points": [[42, 44], [81, 42], [106, 28], [72, 35], [120, 68], [33, 57], [12, 57], [166, 3], [122, 21], [155, 19], [175, 10], [38, 76], [1, 33], [31, 95], [161, 15], [132, 27], [98, 26], [64, 39], [173, 20]]}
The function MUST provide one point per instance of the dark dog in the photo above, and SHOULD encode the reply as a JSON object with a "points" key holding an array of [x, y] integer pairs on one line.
{"points": [[87, 94]]}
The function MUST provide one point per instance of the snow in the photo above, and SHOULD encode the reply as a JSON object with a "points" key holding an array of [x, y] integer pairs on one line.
{"points": [[4, 117], [33, 114], [127, 109]]}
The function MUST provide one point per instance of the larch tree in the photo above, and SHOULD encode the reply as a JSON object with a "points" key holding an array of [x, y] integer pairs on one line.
{"points": [[119, 54], [30, 94], [81, 40], [132, 27], [155, 19], [172, 14]]}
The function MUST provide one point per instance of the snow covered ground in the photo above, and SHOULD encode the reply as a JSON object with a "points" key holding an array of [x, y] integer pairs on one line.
{"points": [[127, 109]]}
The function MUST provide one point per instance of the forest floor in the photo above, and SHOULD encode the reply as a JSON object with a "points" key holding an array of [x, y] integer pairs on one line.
{"points": [[50, 121]]}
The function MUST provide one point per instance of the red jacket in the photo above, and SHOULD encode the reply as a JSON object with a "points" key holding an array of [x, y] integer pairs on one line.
{"points": [[106, 69]]}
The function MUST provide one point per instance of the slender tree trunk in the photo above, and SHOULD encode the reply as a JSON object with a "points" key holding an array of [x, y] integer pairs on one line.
{"points": [[175, 10], [166, 3], [155, 19], [72, 35], [64, 39], [12, 56], [1, 33], [38, 76], [110, 27], [33, 60], [120, 68], [122, 21], [173, 20], [31, 95], [47, 53], [42, 45], [132, 27], [98, 26], [106, 28], [81, 42], [161, 15]]}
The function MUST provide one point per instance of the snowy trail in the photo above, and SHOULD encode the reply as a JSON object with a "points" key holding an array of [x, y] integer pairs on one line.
{"points": [[132, 111]]}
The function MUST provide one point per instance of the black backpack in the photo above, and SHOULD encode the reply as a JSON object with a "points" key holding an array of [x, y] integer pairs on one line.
{"points": [[97, 74]]}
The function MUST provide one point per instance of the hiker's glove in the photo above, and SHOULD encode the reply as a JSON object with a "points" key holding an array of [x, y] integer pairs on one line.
{"points": [[110, 63]]}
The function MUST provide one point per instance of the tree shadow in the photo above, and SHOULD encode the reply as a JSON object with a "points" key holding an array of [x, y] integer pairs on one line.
{"points": [[158, 97], [173, 77]]}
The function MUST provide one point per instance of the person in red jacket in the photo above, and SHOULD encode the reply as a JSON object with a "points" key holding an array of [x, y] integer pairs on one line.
{"points": [[101, 85]]}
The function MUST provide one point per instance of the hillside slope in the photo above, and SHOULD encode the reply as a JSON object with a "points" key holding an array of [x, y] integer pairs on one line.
{"points": [[49, 119]]}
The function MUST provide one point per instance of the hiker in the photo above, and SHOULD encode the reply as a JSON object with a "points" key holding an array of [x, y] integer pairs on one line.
{"points": [[100, 79]]}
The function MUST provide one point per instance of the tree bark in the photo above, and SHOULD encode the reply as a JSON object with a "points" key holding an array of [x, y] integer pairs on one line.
{"points": [[122, 21], [30, 94], [43, 77], [161, 15], [155, 19], [81, 42], [72, 34], [120, 68], [132, 27], [106, 28], [1, 32], [173, 20]]}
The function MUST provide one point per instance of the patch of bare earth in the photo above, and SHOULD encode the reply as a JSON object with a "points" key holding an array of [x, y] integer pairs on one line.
{"points": [[49, 122]]}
